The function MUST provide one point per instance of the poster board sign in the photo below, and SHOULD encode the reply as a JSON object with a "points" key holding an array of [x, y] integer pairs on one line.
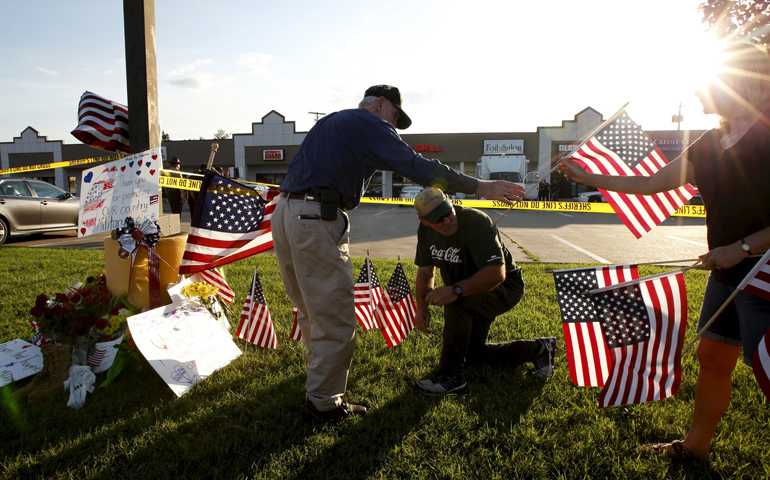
{"points": [[183, 344], [124, 188], [19, 359]]}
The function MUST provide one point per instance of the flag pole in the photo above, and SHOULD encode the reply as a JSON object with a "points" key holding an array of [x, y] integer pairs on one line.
{"points": [[589, 137], [708, 324], [685, 260], [638, 280], [371, 300], [403, 342], [214, 148]]}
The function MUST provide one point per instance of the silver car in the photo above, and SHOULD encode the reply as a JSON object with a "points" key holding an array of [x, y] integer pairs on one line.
{"points": [[34, 206]]}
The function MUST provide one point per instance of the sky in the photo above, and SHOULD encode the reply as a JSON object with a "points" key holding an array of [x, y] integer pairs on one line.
{"points": [[480, 66]]}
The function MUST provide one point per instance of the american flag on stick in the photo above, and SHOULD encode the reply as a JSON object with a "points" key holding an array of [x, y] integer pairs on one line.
{"points": [[296, 333], [396, 310], [231, 221], [214, 277], [757, 281], [644, 323], [102, 123], [622, 148], [587, 353], [367, 293], [256, 325]]}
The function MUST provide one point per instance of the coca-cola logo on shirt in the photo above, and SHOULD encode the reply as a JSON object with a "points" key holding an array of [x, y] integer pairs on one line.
{"points": [[449, 255]]}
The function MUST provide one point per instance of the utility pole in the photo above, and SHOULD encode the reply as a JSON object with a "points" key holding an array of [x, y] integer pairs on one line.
{"points": [[678, 118], [317, 115]]}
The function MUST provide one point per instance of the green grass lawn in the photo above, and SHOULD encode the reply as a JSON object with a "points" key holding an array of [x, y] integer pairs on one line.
{"points": [[244, 421]]}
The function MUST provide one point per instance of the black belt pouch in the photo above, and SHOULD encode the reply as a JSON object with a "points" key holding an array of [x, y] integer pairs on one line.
{"points": [[330, 199]]}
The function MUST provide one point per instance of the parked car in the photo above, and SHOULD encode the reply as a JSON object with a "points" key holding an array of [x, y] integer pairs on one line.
{"points": [[34, 206], [409, 191], [593, 197]]}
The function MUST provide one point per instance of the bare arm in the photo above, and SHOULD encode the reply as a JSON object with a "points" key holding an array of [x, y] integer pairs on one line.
{"points": [[675, 174], [501, 190], [482, 281], [730, 255]]}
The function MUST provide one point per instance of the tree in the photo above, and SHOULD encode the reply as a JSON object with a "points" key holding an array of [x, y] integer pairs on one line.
{"points": [[221, 135], [164, 137], [738, 19]]}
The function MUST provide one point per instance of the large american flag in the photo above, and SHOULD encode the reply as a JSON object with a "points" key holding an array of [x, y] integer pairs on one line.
{"points": [[256, 325], [102, 123], [231, 221], [368, 293], [644, 323], [622, 148], [587, 353], [396, 310], [214, 277]]}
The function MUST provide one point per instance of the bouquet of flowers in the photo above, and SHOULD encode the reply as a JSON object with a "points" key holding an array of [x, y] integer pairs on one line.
{"points": [[206, 295]]}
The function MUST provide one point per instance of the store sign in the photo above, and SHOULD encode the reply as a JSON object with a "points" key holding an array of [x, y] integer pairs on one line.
{"points": [[567, 148], [672, 145], [503, 146], [426, 148], [272, 155]]}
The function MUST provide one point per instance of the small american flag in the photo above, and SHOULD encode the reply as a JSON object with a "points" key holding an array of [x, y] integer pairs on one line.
{"points": [[95, 359], [622, 148], [760, 363], [153, 199], [368, 293], [396, 310], [102, 123], [757, 281], [231, 223], [215, 278], [296, 333], [587, 353], [644, 323], [256, 325]]}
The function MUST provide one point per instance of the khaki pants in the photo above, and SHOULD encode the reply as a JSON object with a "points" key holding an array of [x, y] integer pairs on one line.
{"points": [[314, 259]]}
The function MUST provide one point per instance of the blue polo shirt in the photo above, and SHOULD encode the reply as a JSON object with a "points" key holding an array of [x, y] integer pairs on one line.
{"points": [[344, 149]]}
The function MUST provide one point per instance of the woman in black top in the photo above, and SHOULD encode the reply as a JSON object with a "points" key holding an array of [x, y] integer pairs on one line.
{"points": [[731, 166]]}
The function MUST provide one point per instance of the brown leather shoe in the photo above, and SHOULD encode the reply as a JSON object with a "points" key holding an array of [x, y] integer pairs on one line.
{"points": [[344, 411]]}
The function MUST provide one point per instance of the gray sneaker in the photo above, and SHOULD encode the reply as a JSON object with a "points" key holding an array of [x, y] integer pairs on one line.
{"points": [[440, 385], [545, 358]]}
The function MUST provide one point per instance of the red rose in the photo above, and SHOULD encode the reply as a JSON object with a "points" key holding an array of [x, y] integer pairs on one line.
{"points": [[61, 298], [101, 324], [75, 298], [36, 312], [57, 310], [41, 300]]}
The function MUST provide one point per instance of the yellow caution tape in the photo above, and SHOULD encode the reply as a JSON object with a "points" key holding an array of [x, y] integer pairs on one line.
{"points": [[68, 163], [180, 183], [587, 207]]}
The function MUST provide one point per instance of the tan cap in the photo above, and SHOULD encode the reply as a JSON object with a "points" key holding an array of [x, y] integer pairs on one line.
{"points": [[431, 204]]}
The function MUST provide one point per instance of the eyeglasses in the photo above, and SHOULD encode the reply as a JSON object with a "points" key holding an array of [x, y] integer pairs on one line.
{"points": [[442, 217]]}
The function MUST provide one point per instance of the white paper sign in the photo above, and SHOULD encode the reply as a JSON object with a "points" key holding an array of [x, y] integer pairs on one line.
{"points": [[182, 344], [19, 359], [124, 188], [104, 356]]}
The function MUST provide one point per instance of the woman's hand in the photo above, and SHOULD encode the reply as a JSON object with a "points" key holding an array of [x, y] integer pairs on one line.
{"points": [[724, 257]]}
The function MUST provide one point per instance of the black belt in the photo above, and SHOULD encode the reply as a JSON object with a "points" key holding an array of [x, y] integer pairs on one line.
{"points": [[308, 197]]}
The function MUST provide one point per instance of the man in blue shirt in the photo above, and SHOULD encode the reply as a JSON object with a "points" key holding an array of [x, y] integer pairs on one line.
{"points": [[311, 230]]}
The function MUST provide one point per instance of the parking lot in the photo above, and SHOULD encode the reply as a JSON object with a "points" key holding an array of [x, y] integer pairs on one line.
{"points": [[388, 231]]}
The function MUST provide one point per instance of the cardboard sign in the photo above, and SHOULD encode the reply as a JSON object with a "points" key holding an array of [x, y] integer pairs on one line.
{"points": [[124, 188], [183, 344], [19, 359]]}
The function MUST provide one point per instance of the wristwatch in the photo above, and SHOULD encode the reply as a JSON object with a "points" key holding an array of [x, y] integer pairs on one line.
{"points": [[745, 247], [458, 290]]}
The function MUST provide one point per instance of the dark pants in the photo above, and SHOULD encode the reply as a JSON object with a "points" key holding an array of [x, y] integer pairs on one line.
{"points": [[466, 327]]}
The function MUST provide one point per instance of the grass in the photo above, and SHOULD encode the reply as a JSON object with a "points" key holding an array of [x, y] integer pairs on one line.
{"points": [[244, 422]]}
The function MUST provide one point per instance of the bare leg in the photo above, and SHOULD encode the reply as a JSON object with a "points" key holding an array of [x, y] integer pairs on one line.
{"points": [[712, 396]]}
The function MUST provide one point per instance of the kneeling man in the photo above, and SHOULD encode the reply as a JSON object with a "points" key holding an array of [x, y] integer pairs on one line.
{"points": [[481, 282]]}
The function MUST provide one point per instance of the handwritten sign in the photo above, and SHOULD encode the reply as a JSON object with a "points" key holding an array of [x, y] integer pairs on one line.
{"points": [[19, 359], [183, 344], [125, 188]]}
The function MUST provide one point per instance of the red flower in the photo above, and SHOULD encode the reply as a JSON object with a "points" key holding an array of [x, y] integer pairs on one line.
{"points": [[101, 324], [75, 298], [57, 310], [36, 312], [61, 298], [41, 300]]}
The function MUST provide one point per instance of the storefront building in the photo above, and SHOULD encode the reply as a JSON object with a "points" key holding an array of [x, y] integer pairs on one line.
{"points": [[263, 155]]}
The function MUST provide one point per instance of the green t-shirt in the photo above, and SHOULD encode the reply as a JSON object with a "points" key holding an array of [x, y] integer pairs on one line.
{"points": [[476, 245]]}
